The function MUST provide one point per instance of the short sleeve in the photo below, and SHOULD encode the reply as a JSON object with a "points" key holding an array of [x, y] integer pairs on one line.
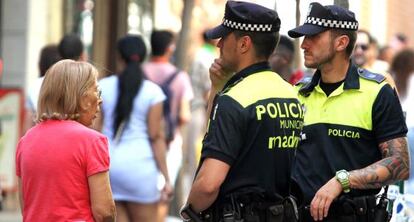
{"points": [[226, 131], [388, 118], [157, 95], [97, 159]]}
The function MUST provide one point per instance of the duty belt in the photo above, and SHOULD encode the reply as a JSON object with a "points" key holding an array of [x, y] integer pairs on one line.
{"points": [[252, 208], [355, 209]]}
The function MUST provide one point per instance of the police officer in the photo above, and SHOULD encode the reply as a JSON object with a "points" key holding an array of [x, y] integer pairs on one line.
{"points": [[254, 125], [354, 134]]}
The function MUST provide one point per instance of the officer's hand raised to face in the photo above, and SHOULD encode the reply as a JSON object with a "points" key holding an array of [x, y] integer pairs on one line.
{"points": [[218, 75], [323, 199]]}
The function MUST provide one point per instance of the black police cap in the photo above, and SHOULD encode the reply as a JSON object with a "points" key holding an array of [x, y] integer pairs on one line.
{"points": [[321, 18], [245, 16]]}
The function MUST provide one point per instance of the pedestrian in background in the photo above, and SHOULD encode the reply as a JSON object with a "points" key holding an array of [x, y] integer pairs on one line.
{"points": [[354, 135], [402, 68], [160, 71], [281, 61], [49, 55], [72, 47], [366, 53], [69, 47], [61, 164], [132, 116], [245, 167]]}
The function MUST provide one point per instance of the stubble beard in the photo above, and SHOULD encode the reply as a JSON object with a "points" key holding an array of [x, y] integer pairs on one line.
{"points": [[323, 60], [228, 65]]}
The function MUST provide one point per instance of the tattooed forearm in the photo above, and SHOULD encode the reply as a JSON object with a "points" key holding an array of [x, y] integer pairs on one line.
{"points": [[393, 167]]}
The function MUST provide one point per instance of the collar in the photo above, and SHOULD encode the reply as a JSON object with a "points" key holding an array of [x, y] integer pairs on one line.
{"points": [[351, 80], [252, 69]]}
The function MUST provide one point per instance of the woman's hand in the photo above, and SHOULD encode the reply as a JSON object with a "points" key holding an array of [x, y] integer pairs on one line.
{"points": [[167, 192]]}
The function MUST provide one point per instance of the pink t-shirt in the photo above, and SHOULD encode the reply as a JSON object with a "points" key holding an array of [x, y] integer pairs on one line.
{"points": [[54, 160], [159, 72]]}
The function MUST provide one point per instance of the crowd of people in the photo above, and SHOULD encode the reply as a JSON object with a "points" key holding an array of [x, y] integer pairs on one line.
{"points": [[251, 136]]}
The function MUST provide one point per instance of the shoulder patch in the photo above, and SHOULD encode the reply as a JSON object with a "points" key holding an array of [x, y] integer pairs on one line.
{"points": [[305, 80], [370, 75]]}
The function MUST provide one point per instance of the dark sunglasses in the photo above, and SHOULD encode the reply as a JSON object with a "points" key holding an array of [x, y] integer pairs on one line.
{"points": [[364, 47]]}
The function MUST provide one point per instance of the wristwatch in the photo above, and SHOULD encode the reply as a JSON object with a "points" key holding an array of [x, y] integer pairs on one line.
{"points": [[343, 178]]}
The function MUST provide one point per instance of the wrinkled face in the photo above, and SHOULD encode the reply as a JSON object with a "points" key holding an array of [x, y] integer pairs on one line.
{"points": [[360, 54], [90, 105], [318, 49], [228, 52]]}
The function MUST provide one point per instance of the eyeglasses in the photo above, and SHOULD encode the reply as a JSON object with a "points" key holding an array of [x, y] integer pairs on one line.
{"points": [[99, 93], [364, 47]]}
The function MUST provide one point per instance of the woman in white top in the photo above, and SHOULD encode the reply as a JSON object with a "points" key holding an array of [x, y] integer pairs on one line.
{"points": [[132, 116]]}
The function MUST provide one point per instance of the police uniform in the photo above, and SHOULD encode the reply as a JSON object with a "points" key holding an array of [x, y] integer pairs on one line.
{"points": [[343, 130], [254, 127]]}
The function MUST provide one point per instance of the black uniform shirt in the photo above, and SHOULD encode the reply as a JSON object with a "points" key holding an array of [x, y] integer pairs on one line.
{"points": [[254, 127]]}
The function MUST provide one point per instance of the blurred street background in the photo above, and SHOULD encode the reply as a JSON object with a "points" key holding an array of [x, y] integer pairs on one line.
{"points": [[26, 26]]}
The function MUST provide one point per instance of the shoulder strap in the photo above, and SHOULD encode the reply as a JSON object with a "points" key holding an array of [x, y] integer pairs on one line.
{"points": [[305, 80], [171, 78], [370, 75]]}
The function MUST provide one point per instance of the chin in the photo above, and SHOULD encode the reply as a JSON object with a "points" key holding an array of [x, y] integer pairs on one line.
{"points": [[310, 65]]}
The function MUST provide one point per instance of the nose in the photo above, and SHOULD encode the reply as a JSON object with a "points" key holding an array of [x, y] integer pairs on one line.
{"points": [[358, 50], [305, 43]]}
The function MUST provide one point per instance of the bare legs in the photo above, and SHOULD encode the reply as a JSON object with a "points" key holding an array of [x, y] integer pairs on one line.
{"points": [[135, 212]]}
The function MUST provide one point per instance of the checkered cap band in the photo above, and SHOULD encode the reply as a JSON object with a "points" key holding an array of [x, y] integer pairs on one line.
{"points": [[332, 23], [247, 27]]}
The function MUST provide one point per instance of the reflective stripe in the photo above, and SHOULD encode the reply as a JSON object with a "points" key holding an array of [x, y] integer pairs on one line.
{"points": [[265, 81], [342, 109]]}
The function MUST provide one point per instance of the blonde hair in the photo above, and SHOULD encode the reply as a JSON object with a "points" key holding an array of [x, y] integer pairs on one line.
{"points": [[65, 83]]}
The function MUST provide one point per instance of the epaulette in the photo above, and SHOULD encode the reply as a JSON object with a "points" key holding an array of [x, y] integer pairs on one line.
{"points": [[370, 75], [305, 80]]}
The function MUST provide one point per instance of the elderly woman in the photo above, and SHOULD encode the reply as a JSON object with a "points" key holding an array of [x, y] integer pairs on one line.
{"points": [[61, 164]]}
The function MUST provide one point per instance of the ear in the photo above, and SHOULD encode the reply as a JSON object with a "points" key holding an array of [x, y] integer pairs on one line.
{"points": [[171, 48], [341, 42], [244, 44]]}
